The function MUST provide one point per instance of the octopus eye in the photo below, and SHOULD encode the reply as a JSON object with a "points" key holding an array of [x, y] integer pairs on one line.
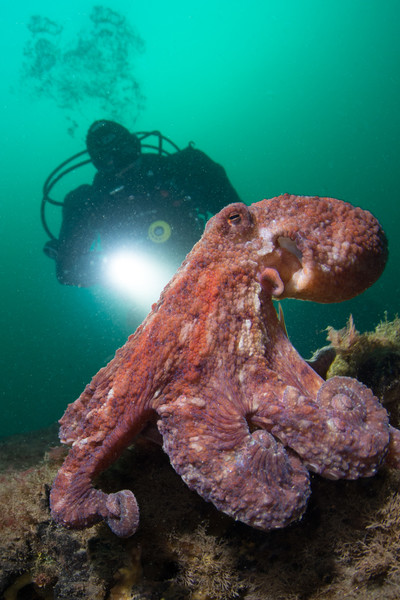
{"points": [[234, 218]]}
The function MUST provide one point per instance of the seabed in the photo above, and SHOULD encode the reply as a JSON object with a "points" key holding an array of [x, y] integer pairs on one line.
{"points": [[347, 545]]}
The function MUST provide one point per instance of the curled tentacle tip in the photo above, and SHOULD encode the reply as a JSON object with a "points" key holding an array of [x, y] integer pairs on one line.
{"points": [[359, 424], [123, 513], [271, 282]]}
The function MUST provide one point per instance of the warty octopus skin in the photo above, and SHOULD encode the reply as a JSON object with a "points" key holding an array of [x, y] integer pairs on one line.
{"points": [[243, 417]]}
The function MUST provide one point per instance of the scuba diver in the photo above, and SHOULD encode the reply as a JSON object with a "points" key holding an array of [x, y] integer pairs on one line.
{"points": [[144, 199]]}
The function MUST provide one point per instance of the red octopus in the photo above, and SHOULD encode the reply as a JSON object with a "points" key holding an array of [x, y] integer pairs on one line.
{"points": [[242, 416]]}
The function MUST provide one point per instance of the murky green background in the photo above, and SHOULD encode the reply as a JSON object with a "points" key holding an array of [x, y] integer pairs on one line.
{"points": [[290, 96]]}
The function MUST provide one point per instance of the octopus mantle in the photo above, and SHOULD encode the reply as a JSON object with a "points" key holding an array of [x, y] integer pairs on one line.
{"points": [[242, 416]]}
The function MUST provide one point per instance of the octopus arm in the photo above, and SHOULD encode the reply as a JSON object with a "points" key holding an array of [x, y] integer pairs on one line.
{"points": [[99, 426], [76, 503], [249, 476], [343, 432], [100, 404]]}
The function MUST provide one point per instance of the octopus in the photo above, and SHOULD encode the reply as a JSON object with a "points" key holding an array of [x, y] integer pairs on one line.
{"points": [[243, 418]]}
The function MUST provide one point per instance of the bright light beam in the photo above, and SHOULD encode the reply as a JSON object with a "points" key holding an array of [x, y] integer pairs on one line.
{"points": [[139, 276]]}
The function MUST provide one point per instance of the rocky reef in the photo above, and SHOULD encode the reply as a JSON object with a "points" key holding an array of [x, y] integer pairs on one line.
{"points": [[347, 545], [373, 358]]}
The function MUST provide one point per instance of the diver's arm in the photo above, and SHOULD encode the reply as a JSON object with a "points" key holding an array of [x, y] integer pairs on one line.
{"points": [[76, 262]]}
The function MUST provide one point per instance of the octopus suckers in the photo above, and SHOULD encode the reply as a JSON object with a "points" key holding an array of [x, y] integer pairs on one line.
{"points": [[197, 402]]}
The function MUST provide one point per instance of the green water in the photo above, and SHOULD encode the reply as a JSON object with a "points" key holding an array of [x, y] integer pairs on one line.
{"points": [[290, 96]]}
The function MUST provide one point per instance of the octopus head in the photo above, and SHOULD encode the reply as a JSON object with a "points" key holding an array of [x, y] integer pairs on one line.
{"points": [[318, 249]]}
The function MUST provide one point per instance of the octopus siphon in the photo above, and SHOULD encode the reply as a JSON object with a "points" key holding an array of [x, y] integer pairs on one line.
{"points": [[243, 418]]}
